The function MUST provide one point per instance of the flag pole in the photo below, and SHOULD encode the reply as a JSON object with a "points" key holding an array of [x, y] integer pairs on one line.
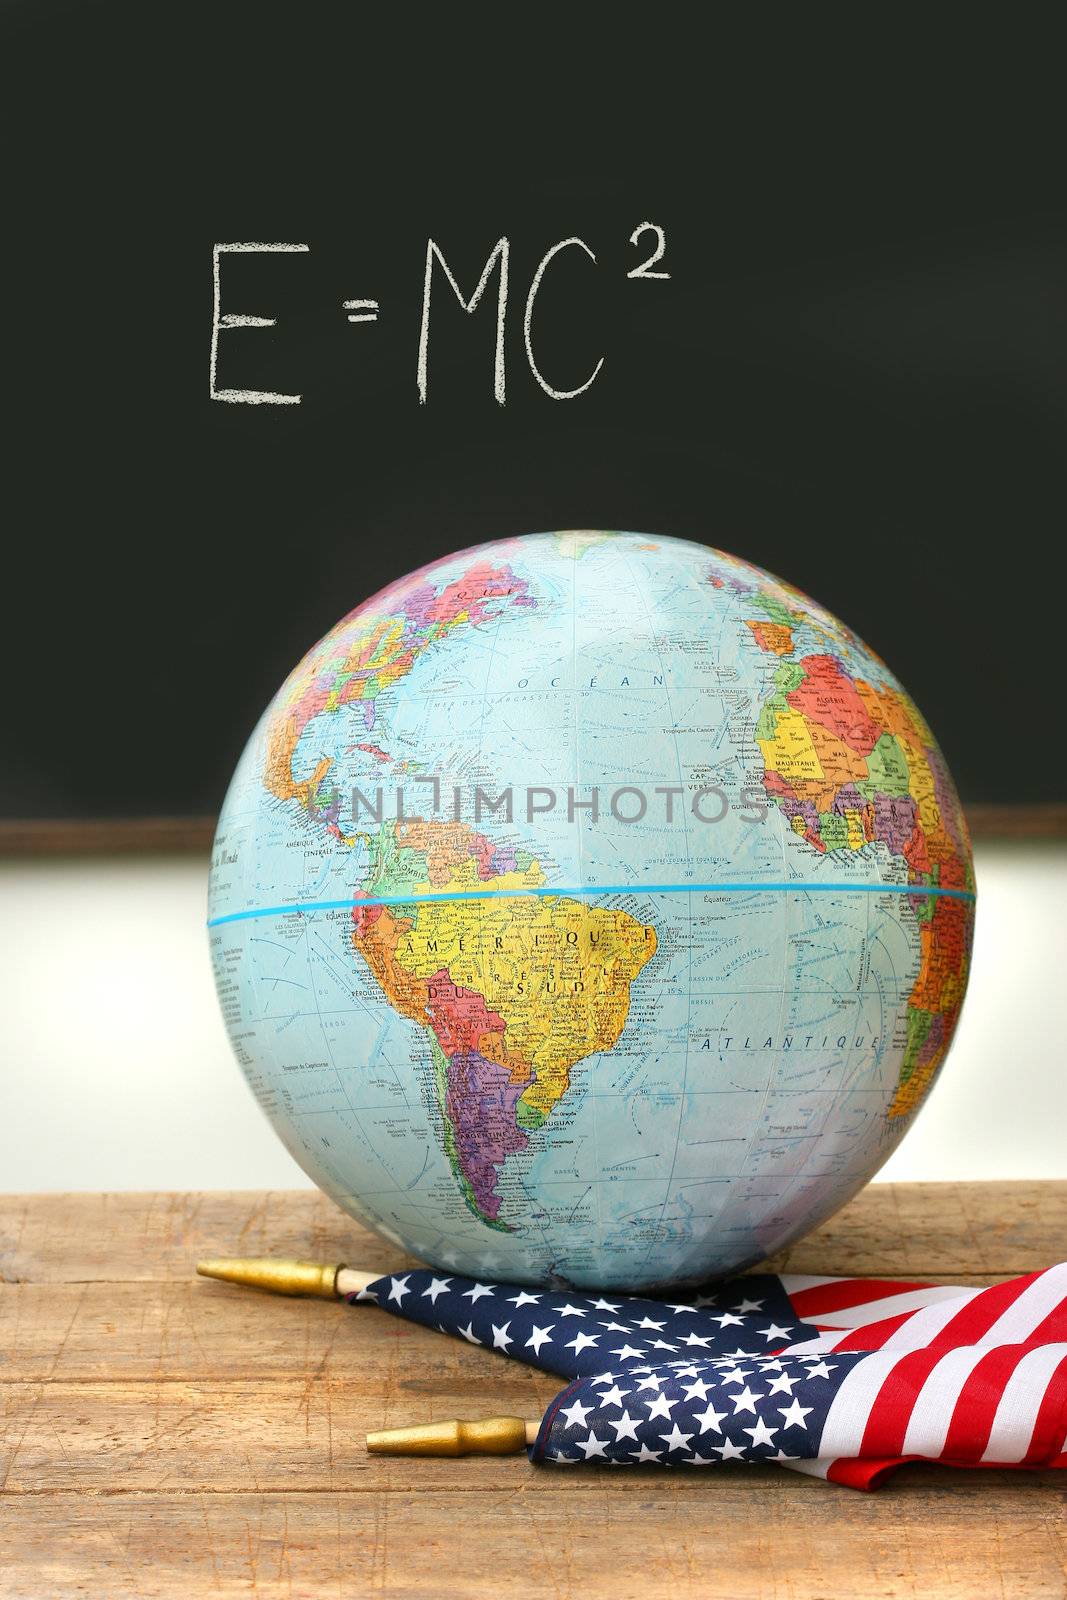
{"points": [[493, 1436], [319, 1280]]}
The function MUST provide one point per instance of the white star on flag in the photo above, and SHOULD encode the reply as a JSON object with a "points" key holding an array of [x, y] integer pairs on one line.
{"points": [[745, 1401], [523, 1299], [793, 1415], [709, 1419], [736, 1375], [729, 1451], [676, 1439], [582, 1342], [625, 1427], [760, 1434]]}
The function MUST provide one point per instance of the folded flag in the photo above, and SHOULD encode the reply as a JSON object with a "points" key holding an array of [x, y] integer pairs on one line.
{"points": [[844, 1378]]}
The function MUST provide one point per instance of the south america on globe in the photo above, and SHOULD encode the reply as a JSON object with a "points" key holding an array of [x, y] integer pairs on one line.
{"points": [[591, 908]]}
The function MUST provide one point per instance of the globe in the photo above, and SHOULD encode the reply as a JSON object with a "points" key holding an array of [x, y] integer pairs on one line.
{"points": [[591, 909]]}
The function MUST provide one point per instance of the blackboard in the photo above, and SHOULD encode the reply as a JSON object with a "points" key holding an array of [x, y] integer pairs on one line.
{"points": [[854, 374]]}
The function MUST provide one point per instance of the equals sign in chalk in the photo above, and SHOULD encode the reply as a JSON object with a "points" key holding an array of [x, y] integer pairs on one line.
{"points": [[365, 310]]}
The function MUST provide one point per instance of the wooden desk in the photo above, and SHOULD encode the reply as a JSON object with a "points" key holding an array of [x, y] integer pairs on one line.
{"points": [[167, 1436]]}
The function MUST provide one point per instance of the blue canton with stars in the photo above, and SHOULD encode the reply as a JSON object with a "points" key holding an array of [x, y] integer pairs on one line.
{"points": [[695, 1413], [578, 1335]]}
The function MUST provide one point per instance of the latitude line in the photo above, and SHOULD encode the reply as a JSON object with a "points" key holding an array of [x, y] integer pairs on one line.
{"points": [[929, 891]]}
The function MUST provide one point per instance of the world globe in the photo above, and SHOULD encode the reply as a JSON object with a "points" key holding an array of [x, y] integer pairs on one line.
{"points": [[591, 909]]}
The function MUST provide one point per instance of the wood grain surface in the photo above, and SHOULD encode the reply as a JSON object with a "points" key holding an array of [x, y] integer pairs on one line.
{"points": [[169, 1436]]}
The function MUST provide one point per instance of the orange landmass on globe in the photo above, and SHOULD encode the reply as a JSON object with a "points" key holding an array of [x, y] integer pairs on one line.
{"points": [[366, 654], [774, 637]]}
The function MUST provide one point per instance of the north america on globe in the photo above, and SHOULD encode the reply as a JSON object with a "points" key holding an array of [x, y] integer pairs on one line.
{"points": [[591, 908]]}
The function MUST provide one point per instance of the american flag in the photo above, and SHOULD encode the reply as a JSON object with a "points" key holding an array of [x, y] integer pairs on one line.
{"points": [[843, 1378]]}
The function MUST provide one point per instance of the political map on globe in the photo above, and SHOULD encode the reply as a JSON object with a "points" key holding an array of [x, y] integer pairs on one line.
{"points": [[591, 908]]}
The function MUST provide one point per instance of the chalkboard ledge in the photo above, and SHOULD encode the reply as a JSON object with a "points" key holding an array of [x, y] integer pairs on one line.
{"points": [[135, 836]]}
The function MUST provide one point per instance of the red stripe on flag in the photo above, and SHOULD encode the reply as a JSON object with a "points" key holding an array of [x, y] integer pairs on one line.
{"points": [[864, 1474], [1053, 1330], [1051, 1424], [810, 1304], [873, 1335], [968, 1432], [888, 1419], [978, 1315]]}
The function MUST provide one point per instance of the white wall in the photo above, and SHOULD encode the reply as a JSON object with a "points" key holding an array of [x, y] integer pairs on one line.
{"points": [[118, 1074]]}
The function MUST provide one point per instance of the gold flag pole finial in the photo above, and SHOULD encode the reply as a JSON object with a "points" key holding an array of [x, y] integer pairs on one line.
{"points": [[495, 1436], [282, 1277]]}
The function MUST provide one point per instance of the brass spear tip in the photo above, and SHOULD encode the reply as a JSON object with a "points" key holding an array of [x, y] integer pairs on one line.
{"points": [[495, 1436], [281, 1277]]}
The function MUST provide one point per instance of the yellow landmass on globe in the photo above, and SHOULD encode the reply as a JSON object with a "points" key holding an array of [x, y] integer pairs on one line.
{"points": [[791, 752], [457, 859], [553, 974], [576, 541]]}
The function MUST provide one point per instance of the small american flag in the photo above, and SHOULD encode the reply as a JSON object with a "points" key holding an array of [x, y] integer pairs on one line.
{"points": [[844, 1378]]}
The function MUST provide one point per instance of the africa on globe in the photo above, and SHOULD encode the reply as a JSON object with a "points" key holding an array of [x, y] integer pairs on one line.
{"points": [[591, 909]]}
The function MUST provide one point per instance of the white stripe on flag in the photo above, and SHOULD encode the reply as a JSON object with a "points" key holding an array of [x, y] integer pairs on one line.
{"points": [[935, 1403], [925, 1325], [816, 1346], [814, 1469], [1013, 1425], [1030, 1309], [793, 1282], [892, 1305], [846, 1419]]}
